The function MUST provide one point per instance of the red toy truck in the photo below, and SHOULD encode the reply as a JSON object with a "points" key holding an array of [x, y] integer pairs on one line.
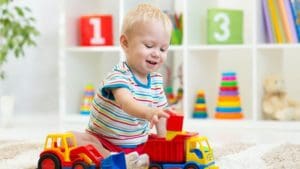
{"points": [[179, 150]]}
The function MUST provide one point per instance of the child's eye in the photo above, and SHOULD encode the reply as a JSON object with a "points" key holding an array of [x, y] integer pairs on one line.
{"points": [[164, 49], [148, 46]]}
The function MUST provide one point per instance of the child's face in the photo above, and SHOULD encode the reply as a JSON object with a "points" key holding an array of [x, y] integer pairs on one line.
{"points": [[147, 47]]}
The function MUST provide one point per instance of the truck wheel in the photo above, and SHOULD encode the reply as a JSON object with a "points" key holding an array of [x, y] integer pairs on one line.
{"points": [[191, 166], [80, 165], [155, 166], [49, 161]]}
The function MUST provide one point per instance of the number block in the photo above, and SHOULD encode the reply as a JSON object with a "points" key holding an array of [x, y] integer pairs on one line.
{"points": [[96, 30], [224, 26]]}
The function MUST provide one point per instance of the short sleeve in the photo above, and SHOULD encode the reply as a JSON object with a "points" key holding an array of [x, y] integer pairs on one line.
{"points": [[113, 81]]}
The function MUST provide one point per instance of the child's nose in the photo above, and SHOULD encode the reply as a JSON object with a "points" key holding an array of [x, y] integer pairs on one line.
{"points": [[155, 53]]}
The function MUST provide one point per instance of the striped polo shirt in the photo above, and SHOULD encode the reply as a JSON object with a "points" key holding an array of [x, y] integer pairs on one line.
{"points": [[107, 118]]}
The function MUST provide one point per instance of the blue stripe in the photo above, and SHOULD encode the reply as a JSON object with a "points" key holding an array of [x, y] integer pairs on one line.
{"points": [[230, 109], [128, 146], [147, 86], [137, 81], [228, 73], [142, 93], [109, 95]]}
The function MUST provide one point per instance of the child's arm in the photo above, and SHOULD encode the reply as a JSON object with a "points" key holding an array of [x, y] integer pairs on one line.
{"points": [[125, 100]]}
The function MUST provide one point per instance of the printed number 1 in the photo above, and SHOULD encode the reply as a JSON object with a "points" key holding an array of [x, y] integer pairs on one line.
{"points": [[224, 26], [97, 38]]}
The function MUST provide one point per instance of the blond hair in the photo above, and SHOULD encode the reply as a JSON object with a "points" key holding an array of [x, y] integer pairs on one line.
{"points": [[142, 13]]}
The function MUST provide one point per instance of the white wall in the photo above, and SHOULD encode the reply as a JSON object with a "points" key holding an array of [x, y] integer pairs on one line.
{"points": [[33, 79]]}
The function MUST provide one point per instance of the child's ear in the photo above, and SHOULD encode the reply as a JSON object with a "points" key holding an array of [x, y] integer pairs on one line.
{"points": [[124, 41]]}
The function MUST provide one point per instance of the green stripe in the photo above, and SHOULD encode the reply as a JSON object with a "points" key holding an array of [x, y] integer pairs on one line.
{"points": [[229, 84]]}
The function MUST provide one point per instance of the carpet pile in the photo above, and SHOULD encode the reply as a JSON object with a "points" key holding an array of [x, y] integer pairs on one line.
{"points": [[25, 154]]}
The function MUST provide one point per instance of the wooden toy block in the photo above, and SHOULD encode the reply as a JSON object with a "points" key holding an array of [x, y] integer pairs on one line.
{"points": [[224, 26], [175, 121], [96, 30]]}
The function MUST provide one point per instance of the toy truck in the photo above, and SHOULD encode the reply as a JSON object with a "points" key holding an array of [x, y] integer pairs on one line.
{"points": [[180, 150], [62, 152]]}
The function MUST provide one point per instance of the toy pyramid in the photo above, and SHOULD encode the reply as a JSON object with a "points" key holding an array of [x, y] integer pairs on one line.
{"points": [[229, 104], [87, 99], [200, 106], [170, 95]]}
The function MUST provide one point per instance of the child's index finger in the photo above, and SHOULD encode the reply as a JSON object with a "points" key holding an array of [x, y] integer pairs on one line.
{"points": [[165, 114]]}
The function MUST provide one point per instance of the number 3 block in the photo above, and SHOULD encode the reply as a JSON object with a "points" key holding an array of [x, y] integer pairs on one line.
{"points": [[224, 26], [96, 30]]}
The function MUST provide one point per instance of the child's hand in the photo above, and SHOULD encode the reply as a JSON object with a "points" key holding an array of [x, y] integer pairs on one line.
{"points": [[155, 115]]}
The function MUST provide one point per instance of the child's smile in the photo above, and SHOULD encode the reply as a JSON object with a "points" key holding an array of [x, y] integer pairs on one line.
{"points": [[151, 62]]}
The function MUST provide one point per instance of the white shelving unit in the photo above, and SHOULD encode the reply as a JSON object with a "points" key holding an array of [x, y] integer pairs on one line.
{"points": [[202, 63]]}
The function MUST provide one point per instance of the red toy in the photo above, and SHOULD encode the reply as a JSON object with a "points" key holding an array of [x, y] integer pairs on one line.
{"points": [[96, 30], [180, 150], [175, 121]]}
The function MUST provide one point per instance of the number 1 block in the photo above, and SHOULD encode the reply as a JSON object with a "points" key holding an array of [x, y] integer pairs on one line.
{"points": [[96, 30], [224, 26]]}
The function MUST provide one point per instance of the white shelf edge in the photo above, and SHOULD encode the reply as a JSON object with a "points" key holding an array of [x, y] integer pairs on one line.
{"points": [[192, 124], [109, 48], [219, 47], [94, 49], [278, 46]]}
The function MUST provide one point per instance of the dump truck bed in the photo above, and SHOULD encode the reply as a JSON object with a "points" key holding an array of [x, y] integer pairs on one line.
{"points": [[167, 151]]}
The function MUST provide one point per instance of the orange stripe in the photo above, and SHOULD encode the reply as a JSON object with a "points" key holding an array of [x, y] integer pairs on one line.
{"points": [[229, 115], [228, 98]]}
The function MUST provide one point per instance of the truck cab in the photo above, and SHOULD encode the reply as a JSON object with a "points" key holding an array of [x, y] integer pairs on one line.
{"points": [[198, 150], [61, 143]]}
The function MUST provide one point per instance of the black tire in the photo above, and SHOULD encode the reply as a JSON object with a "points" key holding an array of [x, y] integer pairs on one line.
{"points": [[191, 166], [80, 165], [49, 160], [155, 166]]}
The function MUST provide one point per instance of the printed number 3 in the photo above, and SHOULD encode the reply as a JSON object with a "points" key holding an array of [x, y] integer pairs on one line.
{"points": [[97, 38], [224, 26]]}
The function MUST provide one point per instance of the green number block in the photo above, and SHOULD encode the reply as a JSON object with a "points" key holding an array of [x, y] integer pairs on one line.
{"points": [[224, 26]]}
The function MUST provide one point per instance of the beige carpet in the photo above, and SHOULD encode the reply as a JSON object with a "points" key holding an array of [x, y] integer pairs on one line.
{"points": [[24, 155], [19, 154], [285, 156]]}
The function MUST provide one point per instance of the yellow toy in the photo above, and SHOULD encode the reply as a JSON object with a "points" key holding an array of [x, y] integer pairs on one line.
{"points": [[200, 110], [61, 152]]}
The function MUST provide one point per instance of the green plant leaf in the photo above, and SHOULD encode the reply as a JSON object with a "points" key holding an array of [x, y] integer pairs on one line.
{"points": [[16, 31], [31, 19], [17, 52], [3, 54], [2, 2], [27, 9], [2, 58], [19, 11], [2, 74]]}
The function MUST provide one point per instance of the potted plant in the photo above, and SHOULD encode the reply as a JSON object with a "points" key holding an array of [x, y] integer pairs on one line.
{"points": [[17, 31]]}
